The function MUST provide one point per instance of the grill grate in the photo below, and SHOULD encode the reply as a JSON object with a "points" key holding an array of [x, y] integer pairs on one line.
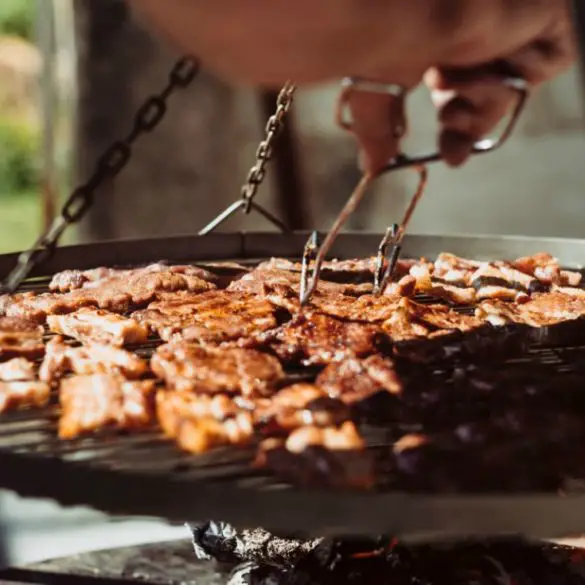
{"points": [[145, 474]]}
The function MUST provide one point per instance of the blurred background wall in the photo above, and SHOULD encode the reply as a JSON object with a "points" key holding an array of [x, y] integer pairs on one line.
{"points": [[72, 73]]}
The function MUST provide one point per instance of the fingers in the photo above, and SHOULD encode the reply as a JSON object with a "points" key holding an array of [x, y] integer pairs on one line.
{"points": [[378, 121], [471, 102], [468, 110]]}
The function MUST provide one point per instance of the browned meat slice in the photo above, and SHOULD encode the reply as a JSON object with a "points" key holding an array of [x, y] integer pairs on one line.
{"points": [[94, 402], [266, 281], [413, 320], [97, 325], [20, 338], [36, 307], [299, 405], [184, 366], [541, 310], [93, 358], [456, 295], [353, 379], [320, 456], [548, 270], [198, 423], [69, 280], [17, 370], [23, 394], [501, 293], [211, 318], [454, 270], [313, 338], [117, 294], [367, 308]]}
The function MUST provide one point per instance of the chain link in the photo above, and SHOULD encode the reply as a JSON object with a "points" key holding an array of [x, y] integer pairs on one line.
{"points": [[108, 166], [266, 148]]}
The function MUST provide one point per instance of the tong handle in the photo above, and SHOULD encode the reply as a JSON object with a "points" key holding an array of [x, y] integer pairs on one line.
{"points": [[482, 146]]}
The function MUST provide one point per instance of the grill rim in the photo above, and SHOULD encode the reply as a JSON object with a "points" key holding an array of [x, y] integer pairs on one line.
{"points": [[262, 245], [411, 517]]}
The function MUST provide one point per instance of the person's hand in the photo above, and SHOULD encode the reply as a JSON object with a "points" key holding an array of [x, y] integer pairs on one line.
{"points": [[470, 97], [472, 100]]}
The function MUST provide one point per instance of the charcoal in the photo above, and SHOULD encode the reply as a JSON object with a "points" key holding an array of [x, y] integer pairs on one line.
{"points": [[496, 562]]}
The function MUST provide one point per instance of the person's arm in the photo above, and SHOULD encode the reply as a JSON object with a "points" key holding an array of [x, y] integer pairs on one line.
{"points": [[265, 42]]}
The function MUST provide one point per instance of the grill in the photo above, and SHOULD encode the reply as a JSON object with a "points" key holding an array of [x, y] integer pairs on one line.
{"points": [[145, 475]]}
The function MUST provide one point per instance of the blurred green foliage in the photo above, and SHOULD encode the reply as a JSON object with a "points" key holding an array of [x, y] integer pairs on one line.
{"points": [[17, 17], [19, 156]]}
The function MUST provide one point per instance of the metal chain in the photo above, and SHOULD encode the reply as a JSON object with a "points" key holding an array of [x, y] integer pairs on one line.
{"points": [[108, 166], [266, 147]]}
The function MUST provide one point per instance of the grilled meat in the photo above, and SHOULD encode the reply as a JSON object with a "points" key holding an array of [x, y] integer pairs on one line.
{"points": [[23, 394], [316, 456], [20, 338], [199, 423], [94, 402], [69, 280], [97, 325], [542, 310], [312, 338], [211, 318], [17, 370], [354, 379], [188, 367], [265, 281], [117, 294], [547, 270], [299, 405], [94, 358]]}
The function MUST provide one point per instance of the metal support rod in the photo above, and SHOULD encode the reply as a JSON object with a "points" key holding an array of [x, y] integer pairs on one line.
{"points": [[579, 23], [290, 193], [45, 31]]}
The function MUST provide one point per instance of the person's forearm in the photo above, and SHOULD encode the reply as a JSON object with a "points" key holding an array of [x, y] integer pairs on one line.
{"points": [[268, 41]]}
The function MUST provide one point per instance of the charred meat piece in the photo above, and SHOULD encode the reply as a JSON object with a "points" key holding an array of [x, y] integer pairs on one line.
{"points": [[117, 294], [97, 325], [312, 338], [353, 379], [211, 318], [20, 338], [17, 370], [23, 394], [316, 456], [99, 401], [299, 405], [547, 270], [188, 367], [95, 358], [69, 280], [199, 423]]}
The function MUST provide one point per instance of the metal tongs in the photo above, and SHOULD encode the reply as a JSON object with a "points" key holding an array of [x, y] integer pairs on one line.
{"points": [[390, 246]]}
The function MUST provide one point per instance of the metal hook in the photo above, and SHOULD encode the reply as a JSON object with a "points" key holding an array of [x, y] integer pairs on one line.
{"points": [[404, 161]]}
